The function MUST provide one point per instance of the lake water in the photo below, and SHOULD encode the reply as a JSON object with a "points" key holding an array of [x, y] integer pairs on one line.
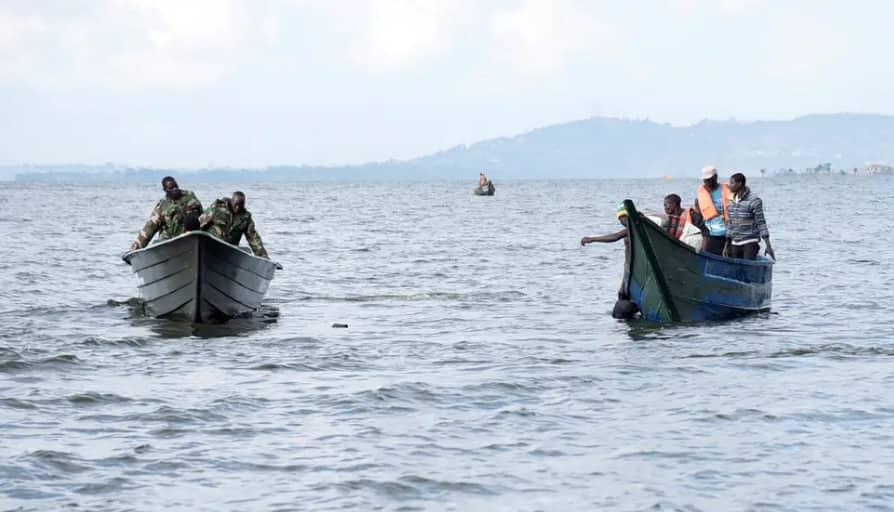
{"points": [[481, 369]]}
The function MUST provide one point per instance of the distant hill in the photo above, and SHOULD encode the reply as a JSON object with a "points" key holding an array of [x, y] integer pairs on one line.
{"points": [[591, 148]]}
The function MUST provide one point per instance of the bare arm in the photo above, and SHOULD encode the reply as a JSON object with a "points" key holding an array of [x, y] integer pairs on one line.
{"points": [[613, 237]]}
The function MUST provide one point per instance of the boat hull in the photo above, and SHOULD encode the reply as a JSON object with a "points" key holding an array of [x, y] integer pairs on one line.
{"points": [[669, 281], [485, 190], [198, 278]]}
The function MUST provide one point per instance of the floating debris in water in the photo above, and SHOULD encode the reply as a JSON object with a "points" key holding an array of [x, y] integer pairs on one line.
{"points": [[340, 326]]}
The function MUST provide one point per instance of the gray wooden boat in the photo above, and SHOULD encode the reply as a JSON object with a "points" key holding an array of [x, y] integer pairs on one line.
{"points": [[198, 278]]}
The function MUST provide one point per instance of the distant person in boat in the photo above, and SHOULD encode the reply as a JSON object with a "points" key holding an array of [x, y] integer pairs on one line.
{"points": [[747, 225], [227, 219], [712, 202], [168, 215], [191, 223], [482, 180]]}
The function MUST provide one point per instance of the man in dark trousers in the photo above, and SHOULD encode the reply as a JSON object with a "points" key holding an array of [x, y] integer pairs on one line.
{"points": [[747, 225], [712, 202]]}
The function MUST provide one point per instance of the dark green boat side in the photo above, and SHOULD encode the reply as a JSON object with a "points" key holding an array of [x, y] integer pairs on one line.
{"points": [[671, 282]]}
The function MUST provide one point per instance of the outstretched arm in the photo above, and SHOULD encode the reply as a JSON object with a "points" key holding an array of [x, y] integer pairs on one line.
{"points": [[613, 237], [149, 229]]}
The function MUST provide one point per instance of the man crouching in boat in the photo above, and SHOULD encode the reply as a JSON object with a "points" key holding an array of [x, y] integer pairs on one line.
{"points": [[227, 219], [168, 215]]}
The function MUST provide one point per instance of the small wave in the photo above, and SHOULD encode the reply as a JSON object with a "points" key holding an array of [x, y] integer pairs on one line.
{"points": [[169, 414], [130, 342], [413, 487], [15, 403], [17, 364], [60, 461], [90, 398], [828, 349], [285, 366], [507, 296], [114, 484]]}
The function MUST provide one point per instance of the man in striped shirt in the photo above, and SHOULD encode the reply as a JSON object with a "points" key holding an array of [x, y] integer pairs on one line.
{"points": [[747, 225]]}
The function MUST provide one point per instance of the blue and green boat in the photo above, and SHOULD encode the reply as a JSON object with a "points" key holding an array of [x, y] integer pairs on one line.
{"points": [[671, 282]]}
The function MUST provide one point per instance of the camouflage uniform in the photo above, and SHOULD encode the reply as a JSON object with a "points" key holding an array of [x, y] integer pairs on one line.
{"points": [[220, 221], [167, 218]]}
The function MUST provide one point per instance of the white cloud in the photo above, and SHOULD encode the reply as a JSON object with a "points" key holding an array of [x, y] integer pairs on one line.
{"points": [[804, 49], [726, 7], [539, 36], [400, 33], [129, 43], [15, 28]]}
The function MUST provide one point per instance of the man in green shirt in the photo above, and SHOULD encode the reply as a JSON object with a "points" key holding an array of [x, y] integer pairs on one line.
{"points": [[227, 219], [167, 217]]}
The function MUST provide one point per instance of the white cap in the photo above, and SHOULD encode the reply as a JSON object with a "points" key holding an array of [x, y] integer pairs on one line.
{"points": [[708, 172]]}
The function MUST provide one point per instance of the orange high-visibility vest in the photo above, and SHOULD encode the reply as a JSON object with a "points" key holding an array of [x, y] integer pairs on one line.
{"points": [[706, 204]]}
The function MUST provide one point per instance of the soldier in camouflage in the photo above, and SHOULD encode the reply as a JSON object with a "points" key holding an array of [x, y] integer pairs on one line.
{"points": [[168, 215], [227, 219]]}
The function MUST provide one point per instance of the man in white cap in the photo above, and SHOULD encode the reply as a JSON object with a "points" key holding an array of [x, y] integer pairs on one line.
{"points": [[711, 201]]}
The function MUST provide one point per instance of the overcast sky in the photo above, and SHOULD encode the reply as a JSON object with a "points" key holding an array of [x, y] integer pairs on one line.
{"points": [[189, 83]]}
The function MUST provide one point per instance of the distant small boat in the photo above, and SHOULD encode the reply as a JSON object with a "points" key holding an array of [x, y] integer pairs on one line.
{"points": [[485, 190], [198, 278], [671, 282]]}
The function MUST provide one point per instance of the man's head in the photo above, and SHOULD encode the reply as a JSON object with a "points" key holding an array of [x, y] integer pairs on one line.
{"points": [[736, 183], [621, 214], [191, 223], [237, 202], [709, 176], [671, 204], [172, 190], [624, 310]]}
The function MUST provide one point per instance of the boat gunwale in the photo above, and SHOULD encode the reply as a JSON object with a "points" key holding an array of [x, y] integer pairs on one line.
{"points": [[127, 256], [762, 262]]}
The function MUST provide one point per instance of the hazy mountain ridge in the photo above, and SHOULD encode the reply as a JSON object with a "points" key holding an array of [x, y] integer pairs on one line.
{"points": [[591, 148]]}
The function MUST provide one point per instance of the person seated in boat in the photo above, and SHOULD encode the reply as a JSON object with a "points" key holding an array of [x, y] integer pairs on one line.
{"points": [[747, 225], [712, 203], [191, 223], [167, 217], [682, 223], [228, 220], [482, 180]]}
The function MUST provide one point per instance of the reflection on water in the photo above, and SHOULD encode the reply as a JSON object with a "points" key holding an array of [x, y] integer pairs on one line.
{"points": [[266, 316]]}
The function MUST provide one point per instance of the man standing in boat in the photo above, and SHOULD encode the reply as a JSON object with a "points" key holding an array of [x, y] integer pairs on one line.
{"points": [[712, 202], [747, 224], [168, 215], [227, 219], [482, 180]]}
